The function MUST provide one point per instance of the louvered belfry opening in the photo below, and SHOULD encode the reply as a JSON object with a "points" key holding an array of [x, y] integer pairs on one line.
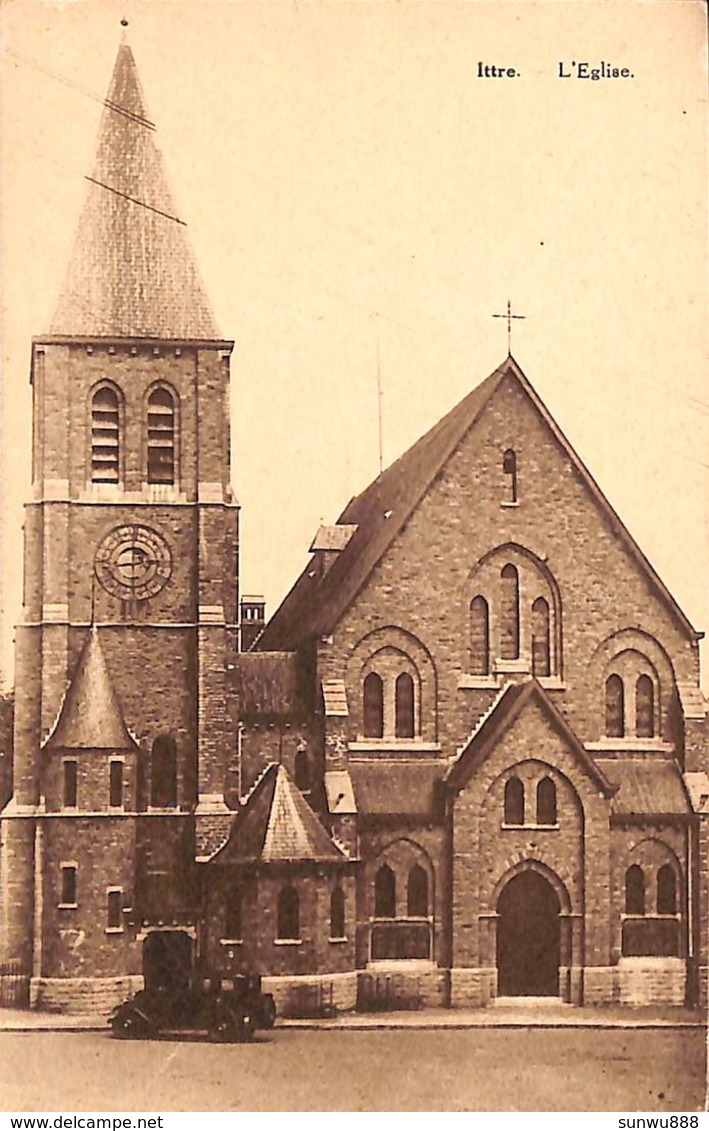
{"points": [[105, 436], [161, 437]]}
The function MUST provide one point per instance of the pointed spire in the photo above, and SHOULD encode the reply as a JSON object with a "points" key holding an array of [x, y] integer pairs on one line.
{"points": [[277, 824], [132, 273], [90, 717]]}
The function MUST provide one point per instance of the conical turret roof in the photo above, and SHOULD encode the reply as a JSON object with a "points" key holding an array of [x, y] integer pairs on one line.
{"points": [[90, 717], [132, 273], [277, 824]]}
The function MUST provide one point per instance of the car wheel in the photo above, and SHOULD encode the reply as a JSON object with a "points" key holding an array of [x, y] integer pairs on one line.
{"points": [[223, 1027], [245, 1028], [130, 1026]]}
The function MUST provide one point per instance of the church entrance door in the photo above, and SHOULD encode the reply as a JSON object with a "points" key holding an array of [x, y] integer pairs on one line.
{"points": [[167, 960], [528, 937]]}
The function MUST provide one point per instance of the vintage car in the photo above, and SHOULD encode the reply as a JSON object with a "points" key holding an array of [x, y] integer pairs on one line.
{"points": [[227, 1010]]}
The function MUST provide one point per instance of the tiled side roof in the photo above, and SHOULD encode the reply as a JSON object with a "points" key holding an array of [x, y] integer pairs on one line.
{"points": [[397, 788], [332, 537], [334, 695], [90, 717], [277, 824], [340, 792], [694, 705], [132, 273], [267, 685], [647, 786]]}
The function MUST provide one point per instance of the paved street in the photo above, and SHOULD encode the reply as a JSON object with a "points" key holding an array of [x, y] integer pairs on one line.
{"points": [[471, 1070]]}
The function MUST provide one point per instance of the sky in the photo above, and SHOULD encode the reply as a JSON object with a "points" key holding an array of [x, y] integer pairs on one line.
{"points": [[360, 201]]}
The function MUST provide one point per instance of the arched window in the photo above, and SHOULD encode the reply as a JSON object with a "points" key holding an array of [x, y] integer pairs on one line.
{"points": [[479, 637], [546, 802], [644, 707], [373, 706], [302, 771], [337, 914], [404, 706], [385, 893], [514, 802], [615, 707], [509, 468], [288, 914], [509, 613], [634, 890], [233, 914], [105, 436], [161, 437], [541, 649], [163, 773], [417, 893], [666, 890]]}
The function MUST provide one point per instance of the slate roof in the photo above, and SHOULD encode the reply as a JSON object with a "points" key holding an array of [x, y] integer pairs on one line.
{"points": [[340, 792], [334, 695], [694, 705], [314, 604], [648, 786], [276, 824], [332, 538], [90, 716], [507, 707], [397, 788], [132, 273], [267, 685]]}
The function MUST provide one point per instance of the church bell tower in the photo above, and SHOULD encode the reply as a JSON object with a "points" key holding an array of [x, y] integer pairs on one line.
{"points": [[130, 585]]}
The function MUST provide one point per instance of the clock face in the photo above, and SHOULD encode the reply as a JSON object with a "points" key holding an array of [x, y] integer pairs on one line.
{"points": [[133, 562]]}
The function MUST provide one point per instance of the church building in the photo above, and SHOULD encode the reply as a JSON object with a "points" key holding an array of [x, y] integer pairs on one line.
{"points": [[466, 759]]}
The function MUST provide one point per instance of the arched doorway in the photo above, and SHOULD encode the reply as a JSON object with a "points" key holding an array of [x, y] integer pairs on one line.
{"points": [[167, 960], [528, 937]]}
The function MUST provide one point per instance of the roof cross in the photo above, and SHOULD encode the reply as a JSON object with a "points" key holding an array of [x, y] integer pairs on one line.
{"points": [[510, 318]]}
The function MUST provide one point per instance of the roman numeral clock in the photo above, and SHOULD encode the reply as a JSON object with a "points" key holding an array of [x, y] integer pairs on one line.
{"points": [[133, 562]]}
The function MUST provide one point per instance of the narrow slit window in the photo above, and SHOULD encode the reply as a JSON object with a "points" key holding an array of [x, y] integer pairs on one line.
{"points": [[288, 914], [644, 707], [302, 771], [385, 893], [514, 802], [105, 436], [546, 802], [509, 468], [69, 887], [337, 914], [404, 706], [114, 916], [373, 706], [541, 644], [417, 893], [161, 437], [615, 707], [70, 792], [163, 773], [666, 890], [479, 637], [509, 613], [115, 784], [634, 890]]}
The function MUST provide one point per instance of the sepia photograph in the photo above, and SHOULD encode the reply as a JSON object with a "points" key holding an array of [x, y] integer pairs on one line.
{"points": [[354, 559]]}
